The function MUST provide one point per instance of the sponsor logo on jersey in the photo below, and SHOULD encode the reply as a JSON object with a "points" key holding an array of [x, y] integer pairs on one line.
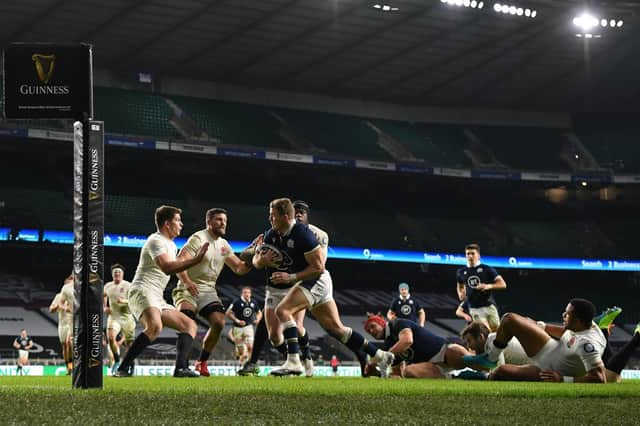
{"points": [[405, 310], [473, 281], [589, 348]]}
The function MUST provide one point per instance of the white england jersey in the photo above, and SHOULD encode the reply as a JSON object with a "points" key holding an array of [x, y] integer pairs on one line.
{"points": [[576, 353], [115, 292], [148, 274], [206, 272], [322, 237]]}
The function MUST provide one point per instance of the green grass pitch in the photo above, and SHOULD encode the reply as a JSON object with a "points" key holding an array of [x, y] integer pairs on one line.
{"points": [[267, 400]]}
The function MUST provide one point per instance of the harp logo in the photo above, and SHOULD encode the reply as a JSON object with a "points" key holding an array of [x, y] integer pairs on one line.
{"points": [[45, 64]]}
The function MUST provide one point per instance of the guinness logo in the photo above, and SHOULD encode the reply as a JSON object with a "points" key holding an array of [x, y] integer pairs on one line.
{"points": [[94, 362], [93, 278], [44, 66], [93, 195]]}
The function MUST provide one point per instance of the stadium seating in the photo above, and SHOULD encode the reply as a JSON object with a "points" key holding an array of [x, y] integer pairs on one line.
{"points": [[133, 113], [618, 150], [524, 148], [233, 123]]}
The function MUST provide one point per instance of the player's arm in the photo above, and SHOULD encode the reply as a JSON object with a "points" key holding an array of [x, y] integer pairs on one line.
{"points": [[315, 267], [460, 313], [29, 346], [462, 291], [237, 265], [55, 304], [180, 264], [422, 317], [16, 344], [555, 331], [391, 315], [498, 284], [405, 340], [258, 317], [595, 375], [105, 304], [232, 316]]}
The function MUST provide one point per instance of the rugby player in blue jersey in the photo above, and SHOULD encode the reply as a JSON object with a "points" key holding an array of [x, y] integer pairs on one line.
{"points": [[295, 264]]}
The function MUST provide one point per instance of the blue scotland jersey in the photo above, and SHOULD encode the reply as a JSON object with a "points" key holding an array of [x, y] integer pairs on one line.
{"points": [[425, 344], [406, 309], [245, 311], [292, 248], [23, 342], [473, 276]]}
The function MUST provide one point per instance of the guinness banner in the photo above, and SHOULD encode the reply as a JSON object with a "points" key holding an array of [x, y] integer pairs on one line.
{"points": [[88, 266], [43, 80]]}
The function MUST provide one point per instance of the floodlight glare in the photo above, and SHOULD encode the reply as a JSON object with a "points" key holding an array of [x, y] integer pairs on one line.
{"points": [[505, 8], [527, 13], [533, 14], [620, 23], [519, 11], [481, 5], [466, 3], [497, 7], [603, 22], [474, 3]]}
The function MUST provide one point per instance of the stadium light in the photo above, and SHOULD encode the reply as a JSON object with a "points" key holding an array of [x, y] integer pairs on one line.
{"points": [[472, 4], [511, 9], [591, 25], [385, 7]]}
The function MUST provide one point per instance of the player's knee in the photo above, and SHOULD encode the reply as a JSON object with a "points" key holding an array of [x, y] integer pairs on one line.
{"points": [[153, 331], [217, 323], [189, 313], [283, 313], [508, 317]]}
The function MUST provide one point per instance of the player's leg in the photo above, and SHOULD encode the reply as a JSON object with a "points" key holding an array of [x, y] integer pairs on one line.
{"points": [[531, 337], [292, 303], [261, 336], [214, 313], [186, 328], [529, 373], [274, 328], [113, 328], [423, 370], [303, 339], [618, 361], [329, 318], [151, 319]]}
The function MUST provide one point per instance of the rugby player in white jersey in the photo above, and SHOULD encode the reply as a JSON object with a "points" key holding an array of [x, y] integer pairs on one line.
{"points": [[571, 352], [63, 304], [119, 318], [196, 290], [146, 302]]}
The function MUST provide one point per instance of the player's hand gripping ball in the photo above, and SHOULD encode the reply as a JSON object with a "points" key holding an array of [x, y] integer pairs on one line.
{"points": [[272, 254]]}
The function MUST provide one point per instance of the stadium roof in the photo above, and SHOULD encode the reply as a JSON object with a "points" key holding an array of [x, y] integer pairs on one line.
{"points": [[427, 52]]}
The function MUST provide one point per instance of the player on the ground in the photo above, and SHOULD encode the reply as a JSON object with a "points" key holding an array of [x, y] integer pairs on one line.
{"points": [[119, 318], [63, 305], [406, 307], [475, 283], [22, 343], [571, 352], [196, 290], [423, 354], [295, 266], [146, 302], [244, 312]]}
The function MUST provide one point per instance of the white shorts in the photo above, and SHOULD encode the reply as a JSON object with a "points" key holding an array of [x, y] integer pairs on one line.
{"points": [[245, 333], [552, 357], [439, 358], [65, 330], [23, 354], [274, 295], [126, 325], [486, 313], [318, 292], [141, 299], [205, 297]]}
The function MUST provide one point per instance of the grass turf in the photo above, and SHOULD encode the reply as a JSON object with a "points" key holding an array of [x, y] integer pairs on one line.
{"points": [[267, 400]]}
